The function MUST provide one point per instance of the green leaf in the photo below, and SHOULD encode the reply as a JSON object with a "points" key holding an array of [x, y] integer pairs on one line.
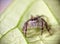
{"points": [[13, 19]]}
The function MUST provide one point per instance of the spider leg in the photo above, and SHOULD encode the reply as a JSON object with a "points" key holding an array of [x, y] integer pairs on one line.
{"points": [[42, 27], [47, 27], [25, 29]]}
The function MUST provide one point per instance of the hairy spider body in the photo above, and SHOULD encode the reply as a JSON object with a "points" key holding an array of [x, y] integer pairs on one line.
{"points": [[37, 22]]}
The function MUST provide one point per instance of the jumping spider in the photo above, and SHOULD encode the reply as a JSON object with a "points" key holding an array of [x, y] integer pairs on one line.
{"points": [[36, 22]]}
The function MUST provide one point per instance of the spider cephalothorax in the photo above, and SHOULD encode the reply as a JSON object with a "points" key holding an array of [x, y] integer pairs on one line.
{"points": [[36, 22]]}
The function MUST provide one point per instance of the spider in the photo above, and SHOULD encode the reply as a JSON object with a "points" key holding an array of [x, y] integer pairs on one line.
{"points": [[37, 21]]}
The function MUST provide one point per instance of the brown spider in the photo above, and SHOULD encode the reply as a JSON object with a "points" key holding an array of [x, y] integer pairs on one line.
{"points": [[36, 22]]}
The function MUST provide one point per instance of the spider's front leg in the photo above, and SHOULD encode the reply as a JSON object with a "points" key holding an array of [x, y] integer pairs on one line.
{"points": [[48, 28], [25, 29], [42, 27]]}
